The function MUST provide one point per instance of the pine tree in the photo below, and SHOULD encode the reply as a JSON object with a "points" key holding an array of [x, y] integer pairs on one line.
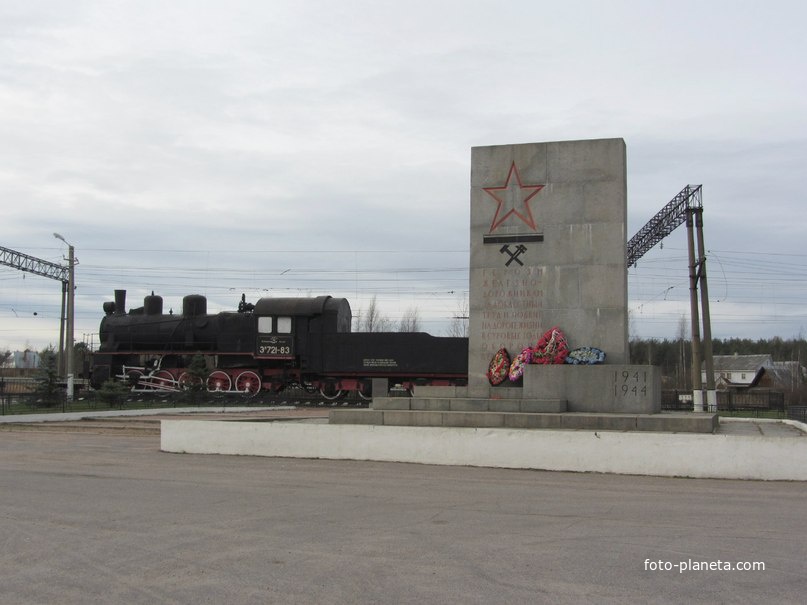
{"points": [[47, 378]]}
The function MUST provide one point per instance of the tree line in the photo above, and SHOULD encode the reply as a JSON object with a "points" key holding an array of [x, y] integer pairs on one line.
{"points": [[674, 357]]}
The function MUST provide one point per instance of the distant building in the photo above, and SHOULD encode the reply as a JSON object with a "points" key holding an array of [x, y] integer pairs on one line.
{"points": [[786, 375], [25, 360], [743, 372]]}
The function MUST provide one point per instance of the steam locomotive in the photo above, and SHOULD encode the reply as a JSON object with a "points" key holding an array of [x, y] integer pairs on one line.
{"points": [[266, 346]]}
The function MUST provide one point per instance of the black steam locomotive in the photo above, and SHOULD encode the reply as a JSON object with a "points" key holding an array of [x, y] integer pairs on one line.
{"points": [[269, 345]]}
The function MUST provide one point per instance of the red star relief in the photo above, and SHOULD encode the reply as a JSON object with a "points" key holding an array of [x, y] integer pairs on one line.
{"points": [[510, 198]]}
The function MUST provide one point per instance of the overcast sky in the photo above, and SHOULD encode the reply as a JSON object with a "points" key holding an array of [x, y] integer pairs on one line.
{"points": [[276, 147]]}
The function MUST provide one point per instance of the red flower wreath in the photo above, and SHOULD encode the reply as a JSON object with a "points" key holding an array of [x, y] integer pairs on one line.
{"points": [[499, 366], [551, 348]]}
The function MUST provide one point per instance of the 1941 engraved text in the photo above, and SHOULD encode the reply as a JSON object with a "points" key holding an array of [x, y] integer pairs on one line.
{"points": [[630, 383]]}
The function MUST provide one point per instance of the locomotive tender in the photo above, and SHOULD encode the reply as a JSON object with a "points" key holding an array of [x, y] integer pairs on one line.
{"points": [[269, 345]]}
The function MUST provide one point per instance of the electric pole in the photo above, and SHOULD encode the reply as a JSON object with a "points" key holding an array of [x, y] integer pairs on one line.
{"points": [[71, 299]]}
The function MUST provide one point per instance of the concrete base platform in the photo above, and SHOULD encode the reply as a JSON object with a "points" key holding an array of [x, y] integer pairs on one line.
{"points": [[389, 412], [720, 456]]}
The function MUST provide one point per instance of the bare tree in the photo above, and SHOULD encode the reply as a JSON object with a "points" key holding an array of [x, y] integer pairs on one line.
{"points": [[371, 320], [631, 326], [459, 323], [410, 322]]}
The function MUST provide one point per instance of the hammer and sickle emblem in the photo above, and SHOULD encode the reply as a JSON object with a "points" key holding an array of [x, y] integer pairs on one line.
{"points": [[520, 249]]}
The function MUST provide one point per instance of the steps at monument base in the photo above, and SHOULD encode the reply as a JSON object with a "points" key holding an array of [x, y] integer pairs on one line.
{"points": [[469, 404], [684, 422]]}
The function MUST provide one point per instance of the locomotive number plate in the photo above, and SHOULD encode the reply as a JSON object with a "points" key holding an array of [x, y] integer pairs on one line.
{"points": [[275, 346]]}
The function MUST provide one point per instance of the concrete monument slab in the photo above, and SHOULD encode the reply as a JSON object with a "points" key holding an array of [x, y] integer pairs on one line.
{"points": [[548, 233]]}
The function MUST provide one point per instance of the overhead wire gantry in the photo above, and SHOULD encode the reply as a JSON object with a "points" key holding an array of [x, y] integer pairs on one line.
{"points": [[38, 266], [31, 264], [666, 220], [686, 207]]}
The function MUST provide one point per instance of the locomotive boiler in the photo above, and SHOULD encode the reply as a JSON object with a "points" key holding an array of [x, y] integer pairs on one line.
{"points": [[269, 345]]}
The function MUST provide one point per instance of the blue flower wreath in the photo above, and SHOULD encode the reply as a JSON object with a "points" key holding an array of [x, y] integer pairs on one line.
{"points": [[585, 356]]}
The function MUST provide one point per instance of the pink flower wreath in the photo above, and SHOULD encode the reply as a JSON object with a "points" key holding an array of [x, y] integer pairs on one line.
{"points": [[519, 361]]}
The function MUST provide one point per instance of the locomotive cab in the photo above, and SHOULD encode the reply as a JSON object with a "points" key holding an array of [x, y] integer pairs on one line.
{"points": [[275, 337], [292, 328]]}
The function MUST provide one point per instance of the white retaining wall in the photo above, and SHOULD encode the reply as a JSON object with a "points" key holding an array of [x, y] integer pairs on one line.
{"points": [[661, 454]]}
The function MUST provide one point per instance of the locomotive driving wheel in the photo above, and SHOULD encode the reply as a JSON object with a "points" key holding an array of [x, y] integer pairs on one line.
{"points": [[187, 381], [248, 383], [219, 381], [163, 381]]}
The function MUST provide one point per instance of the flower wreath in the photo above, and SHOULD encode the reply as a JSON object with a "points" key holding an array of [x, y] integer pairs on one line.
{"points": [[499, 366], [586, 356], [517, 367], [551, 348]]}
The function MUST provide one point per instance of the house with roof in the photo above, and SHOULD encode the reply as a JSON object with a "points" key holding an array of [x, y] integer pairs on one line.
{"points": [[739, 372], [756, 376]]}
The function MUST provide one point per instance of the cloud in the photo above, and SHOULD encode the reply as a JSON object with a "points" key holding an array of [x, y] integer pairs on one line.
{"points": [[186, 147]]}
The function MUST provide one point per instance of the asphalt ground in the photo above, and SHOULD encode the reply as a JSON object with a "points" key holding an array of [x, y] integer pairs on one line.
{"points": [[99, 517]]}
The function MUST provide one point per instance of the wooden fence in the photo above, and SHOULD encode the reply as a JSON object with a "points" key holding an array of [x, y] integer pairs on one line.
{"points": [[758, 399]]}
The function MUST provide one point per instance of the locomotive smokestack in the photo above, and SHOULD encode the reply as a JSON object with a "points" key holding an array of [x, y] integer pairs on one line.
{"points": [[120, 302]]}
